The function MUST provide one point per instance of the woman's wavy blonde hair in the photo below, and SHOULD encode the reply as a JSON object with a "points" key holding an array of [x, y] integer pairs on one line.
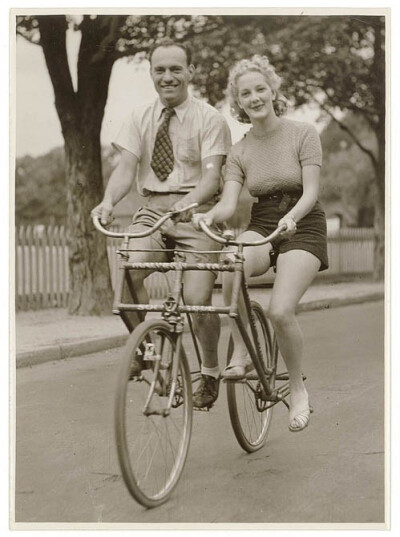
{"points": [[261, 65]]}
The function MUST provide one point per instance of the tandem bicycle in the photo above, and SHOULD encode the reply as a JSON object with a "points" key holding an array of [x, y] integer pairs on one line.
{"points": [[153, 410]]}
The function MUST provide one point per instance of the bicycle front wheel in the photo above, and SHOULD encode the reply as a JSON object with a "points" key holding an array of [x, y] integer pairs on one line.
{"points": [[251, 416], [153, 439]]}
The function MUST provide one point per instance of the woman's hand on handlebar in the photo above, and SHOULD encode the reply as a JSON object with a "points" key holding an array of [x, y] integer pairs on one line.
{"points": [[104, 212], [290, 223], [202, 217]]}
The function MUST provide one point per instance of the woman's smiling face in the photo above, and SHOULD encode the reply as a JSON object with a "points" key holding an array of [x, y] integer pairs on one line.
{"points": [[255, 95]]}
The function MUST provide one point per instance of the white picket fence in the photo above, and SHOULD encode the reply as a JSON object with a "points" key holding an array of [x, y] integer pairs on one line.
{"points": [[42, 276]]}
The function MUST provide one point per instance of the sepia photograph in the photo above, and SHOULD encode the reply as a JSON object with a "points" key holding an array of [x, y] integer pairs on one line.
{"points": [[199, 274]]}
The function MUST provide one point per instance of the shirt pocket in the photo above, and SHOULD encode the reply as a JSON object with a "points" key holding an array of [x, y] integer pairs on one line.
{"points": [[189, 149]]}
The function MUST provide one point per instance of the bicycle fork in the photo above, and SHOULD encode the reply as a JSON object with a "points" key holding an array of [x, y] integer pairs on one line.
{"points": [[173, 317], [159, 386]]}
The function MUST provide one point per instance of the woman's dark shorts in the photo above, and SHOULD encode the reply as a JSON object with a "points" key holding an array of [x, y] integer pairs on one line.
{"points": [[311, 230]]}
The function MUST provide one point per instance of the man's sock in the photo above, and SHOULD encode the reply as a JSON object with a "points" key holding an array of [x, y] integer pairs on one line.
{"points": [[210, 371]]}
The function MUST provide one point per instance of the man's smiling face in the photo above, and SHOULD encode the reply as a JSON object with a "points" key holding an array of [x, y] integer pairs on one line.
{"points": [[171, 74]]}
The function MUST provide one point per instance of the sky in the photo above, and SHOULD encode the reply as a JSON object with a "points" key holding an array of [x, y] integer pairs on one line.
{"points": [[37, 125]]}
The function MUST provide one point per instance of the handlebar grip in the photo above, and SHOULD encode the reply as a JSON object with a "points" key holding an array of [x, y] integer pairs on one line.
{"points": [[228, 234], [188, 208], [226, 241], [120, 235], [99, 226]]}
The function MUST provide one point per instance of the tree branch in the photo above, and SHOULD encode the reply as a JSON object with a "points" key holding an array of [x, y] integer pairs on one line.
{"points": [[344, 127], [53, 41], [107, 45]]}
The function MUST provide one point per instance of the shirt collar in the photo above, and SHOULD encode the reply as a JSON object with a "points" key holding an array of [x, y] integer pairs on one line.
{"points": [[180, 110]]}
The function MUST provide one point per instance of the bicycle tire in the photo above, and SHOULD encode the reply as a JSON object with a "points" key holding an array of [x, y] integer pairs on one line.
{"points": [[152, 449], [250, 424]]}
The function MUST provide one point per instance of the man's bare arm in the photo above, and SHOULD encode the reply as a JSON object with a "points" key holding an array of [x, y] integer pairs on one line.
{"points": [[118, 186]]}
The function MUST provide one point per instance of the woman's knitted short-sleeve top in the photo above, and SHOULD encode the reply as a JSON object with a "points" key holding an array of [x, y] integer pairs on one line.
{"points": [[275, 160]]}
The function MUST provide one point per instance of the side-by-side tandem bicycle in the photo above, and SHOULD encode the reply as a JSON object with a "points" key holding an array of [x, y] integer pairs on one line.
{"points": [[153, 410]]}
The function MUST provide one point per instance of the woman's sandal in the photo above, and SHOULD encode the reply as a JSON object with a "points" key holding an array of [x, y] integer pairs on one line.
{"points": [[237, 370], [300, 421]]}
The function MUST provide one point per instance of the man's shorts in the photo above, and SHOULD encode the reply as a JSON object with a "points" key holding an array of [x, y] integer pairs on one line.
{"points": [[180, 235]]}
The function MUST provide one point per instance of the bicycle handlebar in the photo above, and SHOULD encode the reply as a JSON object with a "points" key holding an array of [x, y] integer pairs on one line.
{"points": [[217, 238], [124, 234], [228, 241]]}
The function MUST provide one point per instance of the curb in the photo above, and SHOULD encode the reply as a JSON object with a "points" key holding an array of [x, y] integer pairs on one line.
{"points": [[63, 351], [339, 302]]}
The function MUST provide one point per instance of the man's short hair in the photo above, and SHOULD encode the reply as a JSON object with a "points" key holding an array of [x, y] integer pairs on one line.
{"points": [[168, 42]]}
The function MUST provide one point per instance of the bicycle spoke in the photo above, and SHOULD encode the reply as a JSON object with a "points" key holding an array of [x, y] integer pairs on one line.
{"points": [[250, 415]]}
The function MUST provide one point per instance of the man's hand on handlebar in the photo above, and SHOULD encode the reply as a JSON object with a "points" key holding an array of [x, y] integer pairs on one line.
{"points": [[184, 216], [104, 212]]}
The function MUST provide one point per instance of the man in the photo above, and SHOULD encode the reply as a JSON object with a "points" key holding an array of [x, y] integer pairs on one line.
{"points": [[176, 146]]}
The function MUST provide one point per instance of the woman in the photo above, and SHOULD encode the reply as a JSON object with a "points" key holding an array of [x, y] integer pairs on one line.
{"points": [[279, 160]]}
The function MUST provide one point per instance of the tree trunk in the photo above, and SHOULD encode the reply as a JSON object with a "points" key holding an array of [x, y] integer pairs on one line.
{"points": [[81, 113], [90, 283]]}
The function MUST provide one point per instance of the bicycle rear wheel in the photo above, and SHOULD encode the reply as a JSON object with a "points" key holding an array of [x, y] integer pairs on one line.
{"points": [[251, 416], [152, 447]]}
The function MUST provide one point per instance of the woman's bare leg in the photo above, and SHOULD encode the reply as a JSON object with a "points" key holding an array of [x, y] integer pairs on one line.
{"points": [[296, 270], [257, 262]]}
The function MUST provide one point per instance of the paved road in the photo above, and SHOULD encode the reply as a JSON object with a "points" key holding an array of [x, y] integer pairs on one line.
{"points": [[333, 471]]}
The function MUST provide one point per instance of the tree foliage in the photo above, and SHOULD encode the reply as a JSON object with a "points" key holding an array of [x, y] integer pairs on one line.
{"points": [[40, 189], [347, 175], [40, 186], [334, 61]]}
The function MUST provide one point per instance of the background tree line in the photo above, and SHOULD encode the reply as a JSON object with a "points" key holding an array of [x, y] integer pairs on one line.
{"points": [[336, 63]]}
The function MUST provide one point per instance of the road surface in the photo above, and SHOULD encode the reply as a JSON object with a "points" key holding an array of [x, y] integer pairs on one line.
{"points": [[333, 472]]}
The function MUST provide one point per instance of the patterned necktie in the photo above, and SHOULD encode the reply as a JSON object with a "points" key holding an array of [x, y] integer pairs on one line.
{"points": [[162, 160]]}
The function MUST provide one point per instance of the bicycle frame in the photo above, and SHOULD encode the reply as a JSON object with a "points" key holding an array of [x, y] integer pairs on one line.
{"points": [[163, 392], [172, 309]]}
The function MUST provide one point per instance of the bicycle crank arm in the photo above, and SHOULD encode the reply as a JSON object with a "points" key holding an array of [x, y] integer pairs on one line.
{"points": [[285, 376], [282, 376]]}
